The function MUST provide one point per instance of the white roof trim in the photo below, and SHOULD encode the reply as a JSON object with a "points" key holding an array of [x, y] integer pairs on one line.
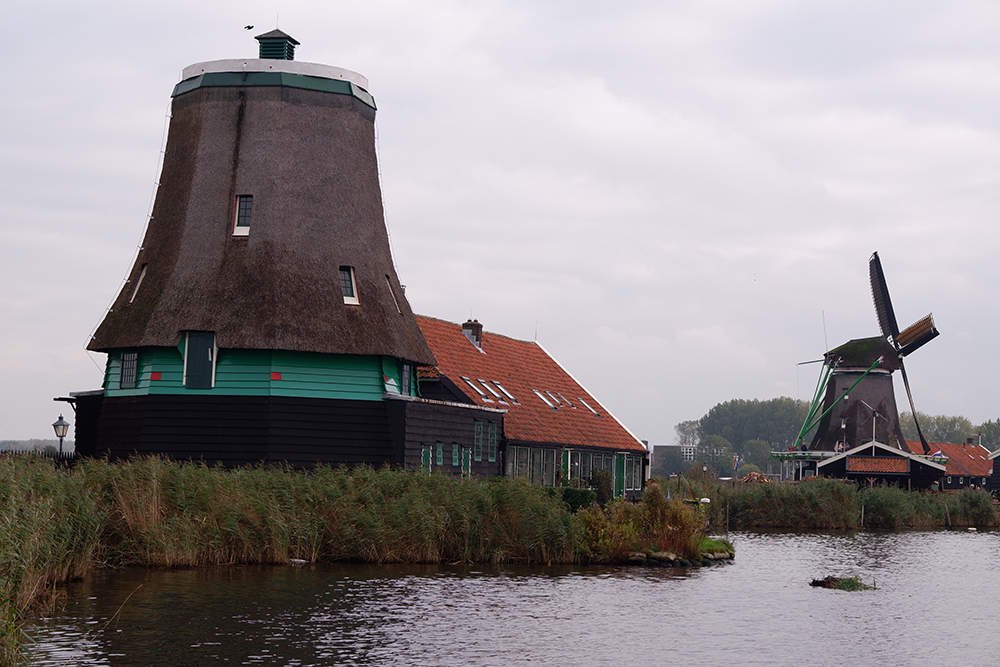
{"points": [[269, 65], [880, 445]]}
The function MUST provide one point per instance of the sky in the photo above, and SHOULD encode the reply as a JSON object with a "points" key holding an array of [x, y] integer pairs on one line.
{"points": [[677, 199]]}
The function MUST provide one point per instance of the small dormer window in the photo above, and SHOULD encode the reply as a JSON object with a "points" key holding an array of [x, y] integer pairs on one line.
{"points": [[244, 207], [349, 285]]}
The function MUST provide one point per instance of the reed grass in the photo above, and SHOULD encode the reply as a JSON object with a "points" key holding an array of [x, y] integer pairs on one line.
{"points": [[829, 504]]}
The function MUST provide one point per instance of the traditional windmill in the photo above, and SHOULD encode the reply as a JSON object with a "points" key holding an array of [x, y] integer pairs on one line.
{"points": [[858, 375], [263, 318]]}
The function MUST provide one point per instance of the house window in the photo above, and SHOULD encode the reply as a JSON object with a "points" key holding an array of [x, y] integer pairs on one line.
{"points": [[491, 451], [130, 363], [199, 360], [477, 442], [348, 285], [244, 206], [585, 466], [961, 481], [949, 479], [439, 459], [425, 458], [549, 467], [406, 379], [456, 454]]}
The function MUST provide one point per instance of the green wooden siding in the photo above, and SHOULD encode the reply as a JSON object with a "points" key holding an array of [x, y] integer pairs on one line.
{"points": [[256, 373]]}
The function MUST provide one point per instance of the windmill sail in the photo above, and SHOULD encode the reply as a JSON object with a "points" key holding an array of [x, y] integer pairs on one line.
{"points": [[880, 295], [916, 335]]}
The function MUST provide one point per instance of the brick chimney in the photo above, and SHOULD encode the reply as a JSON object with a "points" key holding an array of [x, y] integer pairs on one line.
{"points": [[473, 330]]}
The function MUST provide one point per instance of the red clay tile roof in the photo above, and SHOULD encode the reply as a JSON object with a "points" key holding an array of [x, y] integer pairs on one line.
{"points": [[876, 464], [967, 460], [522, 368]]}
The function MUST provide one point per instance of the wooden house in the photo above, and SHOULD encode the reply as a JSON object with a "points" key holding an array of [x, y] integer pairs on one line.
{"points": [[553, 428]]}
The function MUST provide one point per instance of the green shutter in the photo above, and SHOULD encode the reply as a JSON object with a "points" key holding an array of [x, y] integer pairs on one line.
{"points": [[425, 458], [478, 441], [440, 454], [456, 454]]}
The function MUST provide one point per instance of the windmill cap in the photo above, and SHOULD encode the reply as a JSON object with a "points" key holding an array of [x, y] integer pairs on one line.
{"points": [[279, 66], [863, 352]]}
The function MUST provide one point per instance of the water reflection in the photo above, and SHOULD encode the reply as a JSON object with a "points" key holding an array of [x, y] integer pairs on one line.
{"points": [[759, 610]]}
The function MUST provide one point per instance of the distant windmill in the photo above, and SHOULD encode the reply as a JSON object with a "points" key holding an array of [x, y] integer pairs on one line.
{"points": [[858, 374]]}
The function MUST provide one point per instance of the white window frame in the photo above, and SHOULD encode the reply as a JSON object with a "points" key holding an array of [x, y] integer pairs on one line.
{"points": [[349, 300], [241, 230]]}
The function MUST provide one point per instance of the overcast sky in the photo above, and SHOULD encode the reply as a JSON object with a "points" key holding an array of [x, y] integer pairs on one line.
{"points": [[674, 195]]}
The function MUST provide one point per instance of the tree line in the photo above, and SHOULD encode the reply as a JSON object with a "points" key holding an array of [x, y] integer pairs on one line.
{"points": [[738, 436]]}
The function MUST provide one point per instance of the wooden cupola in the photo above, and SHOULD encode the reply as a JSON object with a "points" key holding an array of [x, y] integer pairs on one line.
{"points": [[276, 45]]}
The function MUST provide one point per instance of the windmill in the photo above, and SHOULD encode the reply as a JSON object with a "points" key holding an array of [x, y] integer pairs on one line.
{"points": [[907, 341], [858, 374]]}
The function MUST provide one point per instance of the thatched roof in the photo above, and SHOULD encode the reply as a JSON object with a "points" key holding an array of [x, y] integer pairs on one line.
{"points": [[308, 159]]}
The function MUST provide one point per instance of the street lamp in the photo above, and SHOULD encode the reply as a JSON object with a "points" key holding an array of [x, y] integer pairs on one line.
{"points": [[61, 427]]}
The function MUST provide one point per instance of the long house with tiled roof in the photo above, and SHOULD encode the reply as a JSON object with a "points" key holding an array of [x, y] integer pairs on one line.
{"points": [[966, 465], [553, 429]]}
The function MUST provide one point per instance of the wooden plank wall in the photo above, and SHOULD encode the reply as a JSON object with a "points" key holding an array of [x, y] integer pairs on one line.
{"points": [[429, 423]]}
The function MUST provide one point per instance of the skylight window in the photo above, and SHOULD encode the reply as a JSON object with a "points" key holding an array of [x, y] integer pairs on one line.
{"points": [[244, 206], [348, 285], [552, 396], [506, 393], [541, 396], [490, 389], [479, 391], [587, 405], [565, 400]]}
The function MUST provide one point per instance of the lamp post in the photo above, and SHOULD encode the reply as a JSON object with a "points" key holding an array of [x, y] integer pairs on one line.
{"points": [[61, 427]]}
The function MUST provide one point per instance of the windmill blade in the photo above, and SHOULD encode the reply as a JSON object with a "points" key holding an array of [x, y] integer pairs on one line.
{"points": [[913, 409], [916, 335], [880, 295]]}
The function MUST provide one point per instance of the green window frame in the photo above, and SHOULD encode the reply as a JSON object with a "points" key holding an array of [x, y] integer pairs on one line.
{"points": [[491, 450], [456, 454], [425, 458], [477, 442], [439, 459]]}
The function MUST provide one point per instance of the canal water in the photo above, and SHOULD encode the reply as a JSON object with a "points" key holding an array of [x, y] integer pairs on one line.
{"points": [[935, 603]]}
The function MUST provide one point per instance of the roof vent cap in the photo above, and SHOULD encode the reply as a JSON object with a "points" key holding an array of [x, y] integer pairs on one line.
{"points": [[276, 45]]}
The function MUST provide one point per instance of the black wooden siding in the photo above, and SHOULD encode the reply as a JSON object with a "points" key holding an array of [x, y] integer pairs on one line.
{"points": [[241, 430], [430, 423]]}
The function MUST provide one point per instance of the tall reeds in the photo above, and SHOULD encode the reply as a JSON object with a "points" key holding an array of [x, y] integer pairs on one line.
{"points": [[829, 504]]}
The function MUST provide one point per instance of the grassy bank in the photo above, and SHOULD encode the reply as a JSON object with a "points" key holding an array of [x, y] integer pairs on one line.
{"points": [[835, 505], [58, 523]]}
